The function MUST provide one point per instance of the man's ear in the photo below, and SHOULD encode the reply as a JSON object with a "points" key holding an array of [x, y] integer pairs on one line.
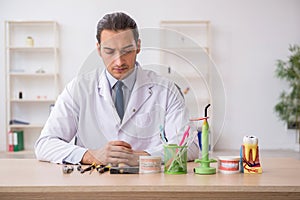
{"points": [[98, 49], [138, 46]]}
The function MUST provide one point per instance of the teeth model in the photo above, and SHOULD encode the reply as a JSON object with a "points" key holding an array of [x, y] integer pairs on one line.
{"points": [[250, 143]]}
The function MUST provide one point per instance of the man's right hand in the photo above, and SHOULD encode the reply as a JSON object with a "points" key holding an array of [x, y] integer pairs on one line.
{"points": [[114, 152]]}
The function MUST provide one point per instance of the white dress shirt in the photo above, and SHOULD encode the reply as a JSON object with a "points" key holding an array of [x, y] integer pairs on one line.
{"points": [[127, 88]]}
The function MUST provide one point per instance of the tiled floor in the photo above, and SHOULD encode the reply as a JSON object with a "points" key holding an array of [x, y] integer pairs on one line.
{"points": [[263, 154]]}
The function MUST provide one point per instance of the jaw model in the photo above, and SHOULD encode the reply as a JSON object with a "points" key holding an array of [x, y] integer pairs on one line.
{"points": [[250, 143]]}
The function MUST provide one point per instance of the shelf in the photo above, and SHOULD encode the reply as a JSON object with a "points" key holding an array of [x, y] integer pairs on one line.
{"points": [[23, 74], [187, 49], [34, 49], [184, 23], [18, 154], [41, 22], [32, 72], [32, 100], [185, 52], [26, 126]]}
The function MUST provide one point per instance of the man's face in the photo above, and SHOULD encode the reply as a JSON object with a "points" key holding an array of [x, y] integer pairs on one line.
{"points": [[118, 50]]}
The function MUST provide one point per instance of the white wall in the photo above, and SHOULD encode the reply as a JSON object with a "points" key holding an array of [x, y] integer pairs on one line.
{"points": [[248, 38]]}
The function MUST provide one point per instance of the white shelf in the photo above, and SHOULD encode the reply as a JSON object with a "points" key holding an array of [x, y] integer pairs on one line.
{"points": [[26, 126], [36, 48], [185, 48], [32, 100], [32, 22], [24, 74], [182, 23], [24, 154], [32, 72]]}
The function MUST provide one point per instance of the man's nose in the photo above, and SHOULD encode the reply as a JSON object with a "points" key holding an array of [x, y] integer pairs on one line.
{"points": [[119, 60]]}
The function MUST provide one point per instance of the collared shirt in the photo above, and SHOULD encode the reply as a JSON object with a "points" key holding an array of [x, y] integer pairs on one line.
{"points": [[127, 88]]}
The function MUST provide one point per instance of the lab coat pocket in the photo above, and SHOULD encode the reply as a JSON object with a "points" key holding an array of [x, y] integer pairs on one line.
{"points": [[147, 123], [143, 120]]}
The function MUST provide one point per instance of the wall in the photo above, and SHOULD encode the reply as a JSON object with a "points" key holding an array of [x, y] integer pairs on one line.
{"points": [[248, 38]]}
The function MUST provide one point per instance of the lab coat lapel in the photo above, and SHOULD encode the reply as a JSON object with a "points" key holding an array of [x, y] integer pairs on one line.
{"points": [[104, 89], [104, 92], [141, 92]]}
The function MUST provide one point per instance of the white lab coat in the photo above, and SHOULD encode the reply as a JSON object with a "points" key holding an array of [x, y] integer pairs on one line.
{"points": [[85, 109]]}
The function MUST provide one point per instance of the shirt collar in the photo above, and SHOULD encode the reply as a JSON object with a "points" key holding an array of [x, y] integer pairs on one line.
{"points": [[128, 81]]}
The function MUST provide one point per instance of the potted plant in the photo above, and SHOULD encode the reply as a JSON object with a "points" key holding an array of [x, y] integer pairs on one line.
{"points": [[288, 107]]}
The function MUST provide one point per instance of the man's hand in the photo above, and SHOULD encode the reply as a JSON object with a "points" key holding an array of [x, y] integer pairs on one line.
{"points": [[114, 152]]}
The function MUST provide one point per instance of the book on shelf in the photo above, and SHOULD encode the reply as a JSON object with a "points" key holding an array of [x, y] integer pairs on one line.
{"points": [[15, 121], [16, 140], [10, 141]]}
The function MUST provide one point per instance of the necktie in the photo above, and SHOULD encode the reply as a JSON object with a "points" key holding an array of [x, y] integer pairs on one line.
{"points": [[119, 101]]}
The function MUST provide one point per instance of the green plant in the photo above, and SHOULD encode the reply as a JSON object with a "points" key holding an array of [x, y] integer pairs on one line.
{"points": [[288, 108]]}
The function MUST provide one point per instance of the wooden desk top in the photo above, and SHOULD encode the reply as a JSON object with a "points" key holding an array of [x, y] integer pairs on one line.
{"points": [[29, 178]]}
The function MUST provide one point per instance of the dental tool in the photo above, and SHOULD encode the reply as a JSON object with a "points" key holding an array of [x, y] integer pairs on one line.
{"points": [[185, 135], [162, 135], [204, 168]]}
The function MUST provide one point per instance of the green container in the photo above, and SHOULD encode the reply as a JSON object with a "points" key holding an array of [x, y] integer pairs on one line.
{"points": [[175, 159]]}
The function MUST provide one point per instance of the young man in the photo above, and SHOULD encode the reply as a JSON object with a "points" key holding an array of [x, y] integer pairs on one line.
{"points": [[116, 114]]}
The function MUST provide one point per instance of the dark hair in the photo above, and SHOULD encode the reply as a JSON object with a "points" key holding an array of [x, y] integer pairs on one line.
{"points": [[117, 21]]}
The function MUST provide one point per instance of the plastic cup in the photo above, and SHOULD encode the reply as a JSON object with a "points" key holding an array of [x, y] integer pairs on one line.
{"points": [[175, 159]]}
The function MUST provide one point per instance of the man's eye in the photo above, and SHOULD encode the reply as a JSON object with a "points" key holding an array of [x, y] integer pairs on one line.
{"points": [[127, 51], [109, 51]]}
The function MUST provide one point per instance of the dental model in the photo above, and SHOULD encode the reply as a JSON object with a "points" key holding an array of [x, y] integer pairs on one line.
{"points": [[250, 156], [250, 143]]}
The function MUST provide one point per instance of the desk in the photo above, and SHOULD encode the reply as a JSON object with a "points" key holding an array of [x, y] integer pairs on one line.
{"points": [[31, 179]]}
